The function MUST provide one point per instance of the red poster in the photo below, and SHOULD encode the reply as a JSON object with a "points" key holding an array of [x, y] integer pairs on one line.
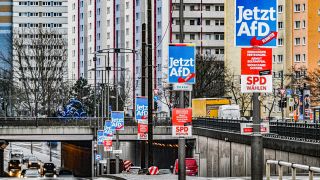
{"points": [[142, 128], [254, 60], [181, 116], [107, 143]]}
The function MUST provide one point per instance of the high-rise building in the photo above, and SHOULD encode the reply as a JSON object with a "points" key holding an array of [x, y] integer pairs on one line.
{"points": [[102, 26]]}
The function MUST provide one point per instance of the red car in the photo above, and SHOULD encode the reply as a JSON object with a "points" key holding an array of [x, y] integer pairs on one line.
{"points": [[191, 167]]}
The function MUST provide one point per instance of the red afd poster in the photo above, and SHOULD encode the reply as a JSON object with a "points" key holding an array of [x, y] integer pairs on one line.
{"points": [[181, 116], [256, 70]]}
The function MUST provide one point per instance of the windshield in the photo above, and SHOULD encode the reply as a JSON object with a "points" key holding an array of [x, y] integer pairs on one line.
{"points": [[32, 172]]}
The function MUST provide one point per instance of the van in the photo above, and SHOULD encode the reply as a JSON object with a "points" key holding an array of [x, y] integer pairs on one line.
{"points": [[191, 167], [229, 112]]}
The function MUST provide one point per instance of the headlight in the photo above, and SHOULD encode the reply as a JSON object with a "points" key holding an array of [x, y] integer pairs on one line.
{"points": [[10, 165], [44, 169], [19, 165], [38, 163], [29, 163]]}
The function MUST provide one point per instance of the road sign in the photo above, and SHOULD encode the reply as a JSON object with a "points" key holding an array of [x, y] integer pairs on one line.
{"points": [[117, 151], [104, 161], [98, 157], [182, 64], [117, 120], [256, 23], [247, 129], [182, 87], [253, 61], [289, 92]]}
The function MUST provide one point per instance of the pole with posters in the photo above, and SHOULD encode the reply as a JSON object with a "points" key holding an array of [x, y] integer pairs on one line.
{"points": [[117, 120], [253, 29]]}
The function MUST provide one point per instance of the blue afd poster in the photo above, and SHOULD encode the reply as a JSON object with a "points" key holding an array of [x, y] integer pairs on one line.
{"points": [[182, 64], [256, 23], [141, 108], [100, 137], [117, 119], [108, 128]]}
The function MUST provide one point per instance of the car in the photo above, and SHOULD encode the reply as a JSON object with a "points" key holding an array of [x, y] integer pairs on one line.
{"points": [[32, 173], [48, 168], [191, 167], [34, 163], [16, 154], [65, 173], [14, 165], [26, 158]]}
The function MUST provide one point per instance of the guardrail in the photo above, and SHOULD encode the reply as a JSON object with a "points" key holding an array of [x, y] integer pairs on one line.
{"points": [[293, 167], [302, 131]]}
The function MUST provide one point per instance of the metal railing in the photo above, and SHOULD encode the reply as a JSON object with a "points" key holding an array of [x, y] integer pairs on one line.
{"points": [[293, 166]]}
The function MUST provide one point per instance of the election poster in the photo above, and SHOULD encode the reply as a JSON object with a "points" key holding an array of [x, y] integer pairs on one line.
{"points": [[117, 120], [256, 23], [100, 137], [182, 122], [109, 129], [182, 64], [256, 70], [142, 117]]}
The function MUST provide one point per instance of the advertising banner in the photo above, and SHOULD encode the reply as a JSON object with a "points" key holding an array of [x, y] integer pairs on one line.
{"points": [[100, 137], [182, 64], [141, 108], [117, 120], [108, 128], [247, 129], [253, 62], [256, 23], [182, 122]]}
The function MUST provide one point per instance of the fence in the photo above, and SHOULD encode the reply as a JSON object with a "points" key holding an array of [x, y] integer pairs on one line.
{"points": [[293, 167]]}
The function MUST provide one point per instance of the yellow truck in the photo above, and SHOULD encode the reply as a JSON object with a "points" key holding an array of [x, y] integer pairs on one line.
{"points": [[208, 107]]}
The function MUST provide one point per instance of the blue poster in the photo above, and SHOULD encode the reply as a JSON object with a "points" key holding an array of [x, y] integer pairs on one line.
{"points": [[117, 119], [256, 23], [182, 64], [108, 128], [141, 108], [100, 137]]}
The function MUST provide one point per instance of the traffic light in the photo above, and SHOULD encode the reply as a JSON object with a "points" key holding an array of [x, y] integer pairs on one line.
{"points": [[155, 105], [279, 103], [284, 102]]}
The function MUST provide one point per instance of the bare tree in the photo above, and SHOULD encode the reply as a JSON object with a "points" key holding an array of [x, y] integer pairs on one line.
{"points": [[314, 83], [39, 59]]}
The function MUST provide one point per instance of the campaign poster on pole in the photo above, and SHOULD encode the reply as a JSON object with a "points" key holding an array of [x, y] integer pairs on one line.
{"points": [[117, 120], [182, 122], [142, 117], [100, 137], [256, 70], [182, 63], [109, 129], [256, 23]]}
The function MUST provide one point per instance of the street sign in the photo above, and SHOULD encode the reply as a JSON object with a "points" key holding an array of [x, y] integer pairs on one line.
{"points": [[253, 61], [182, 64], [256, 23], [104, 161], [247, 129], [117, 120], [282, 91], [118, 151], [182, 87]]}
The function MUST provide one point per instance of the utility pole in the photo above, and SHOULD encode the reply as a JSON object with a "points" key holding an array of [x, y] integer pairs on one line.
{"points": [[150, 85], [117, 133], [143, 89], [181, 141], [256, 142], [282, 111]]}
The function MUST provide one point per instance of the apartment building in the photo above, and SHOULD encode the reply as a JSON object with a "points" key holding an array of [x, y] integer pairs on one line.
{"points": [[105, 25], [5, 34]]}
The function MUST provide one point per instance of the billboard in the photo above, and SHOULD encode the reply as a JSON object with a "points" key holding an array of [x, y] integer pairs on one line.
{"points": [[141, 108], [182, 64], [256, 23], [117, 120], [256, 61]]}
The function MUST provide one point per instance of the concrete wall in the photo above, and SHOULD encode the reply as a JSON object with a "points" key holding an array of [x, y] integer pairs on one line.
{"points": [[220, 158]]}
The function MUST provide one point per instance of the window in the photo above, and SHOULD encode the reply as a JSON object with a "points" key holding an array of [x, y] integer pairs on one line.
{"points": [[127, 18], [304, 24], [137, 16], [280, 42], [108, 35], [297, 24], [280, 58], [108, 10], [127, 5], [219, 8], [274, 58], [296, 41], [303, 7], [219, 51], [192, 37], [208, 8], [127, 31], [297, 8], [297, 58], [192, 8], [219, 22], [208, 36], [108, 23], [218, 36], [303, 57], [208, 22], [192, 22], [23, 3], [280, 8], [280, 25], [304, 41], [73, 5]]}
